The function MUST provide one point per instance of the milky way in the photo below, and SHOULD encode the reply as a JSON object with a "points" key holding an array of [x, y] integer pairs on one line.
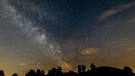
{"points": [[37, 51], [48, 33]]}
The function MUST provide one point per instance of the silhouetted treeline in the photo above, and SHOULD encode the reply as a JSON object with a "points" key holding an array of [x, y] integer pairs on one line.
{"points": [[92, 71], [37, 73]]}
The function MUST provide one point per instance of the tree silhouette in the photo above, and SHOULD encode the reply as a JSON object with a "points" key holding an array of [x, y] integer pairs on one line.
{"points": [[128, 70], [79, 68], [92, 66], [38, 73], [30, 73], [1, 73], [49, 72], [53, 71], [83, 68], [59, 69], [43, 72], [14, 74]]}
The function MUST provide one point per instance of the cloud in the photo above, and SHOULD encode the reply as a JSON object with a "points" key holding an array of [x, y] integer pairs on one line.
{"points": [[115, 10], [89, 51], [130, 49]]}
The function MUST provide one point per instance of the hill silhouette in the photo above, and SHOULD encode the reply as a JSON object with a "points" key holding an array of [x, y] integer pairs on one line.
{"points": [[109, 71], [94, 71]]}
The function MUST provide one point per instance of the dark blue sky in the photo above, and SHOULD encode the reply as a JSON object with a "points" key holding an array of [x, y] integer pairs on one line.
{"points": [[63, 18]]}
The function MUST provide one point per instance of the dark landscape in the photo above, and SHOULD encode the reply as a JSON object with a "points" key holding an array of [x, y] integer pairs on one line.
{"points": [[92, 71]]}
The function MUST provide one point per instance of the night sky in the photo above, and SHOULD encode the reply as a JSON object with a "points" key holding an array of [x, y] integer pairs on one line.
{"points": [[41, 34]]}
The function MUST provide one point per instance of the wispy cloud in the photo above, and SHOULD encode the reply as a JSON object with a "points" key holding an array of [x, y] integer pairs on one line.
{"points": [[115, 10], [90, 51], [130, 49]]}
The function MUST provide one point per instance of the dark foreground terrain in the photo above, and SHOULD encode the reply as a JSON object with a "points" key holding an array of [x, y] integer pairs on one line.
{"points": [[93, 71]]}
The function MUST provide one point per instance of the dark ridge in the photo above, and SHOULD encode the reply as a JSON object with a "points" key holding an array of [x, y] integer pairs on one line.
{"points": [[92, 71]]}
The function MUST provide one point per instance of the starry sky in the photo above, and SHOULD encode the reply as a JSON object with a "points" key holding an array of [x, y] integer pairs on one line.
{"points": [[41, 34]]}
